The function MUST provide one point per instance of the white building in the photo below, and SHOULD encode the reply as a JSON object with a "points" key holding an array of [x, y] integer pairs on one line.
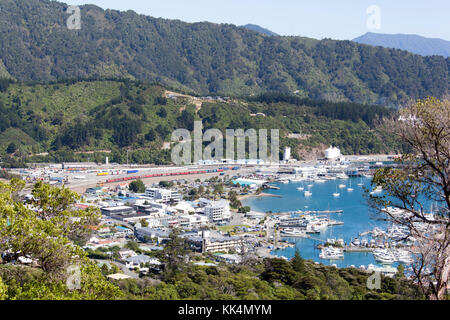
{"points": [[216, 211], [163, 195], [332, 153], [215, 244], [287, 154]]}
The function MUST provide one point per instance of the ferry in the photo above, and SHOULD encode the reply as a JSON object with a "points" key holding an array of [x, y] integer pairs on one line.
{"points": [[293, 232]]}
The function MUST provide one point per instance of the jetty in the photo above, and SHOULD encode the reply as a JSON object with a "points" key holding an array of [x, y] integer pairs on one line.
{"points": [[307, 212]]}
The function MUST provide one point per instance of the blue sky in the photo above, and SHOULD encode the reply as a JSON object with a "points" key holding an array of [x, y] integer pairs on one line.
{"points": [[337, 19]]}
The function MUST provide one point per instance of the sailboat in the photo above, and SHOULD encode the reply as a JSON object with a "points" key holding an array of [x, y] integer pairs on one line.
{"points": [[360, 184], [350, 189], [336, 194], [308, 193]]}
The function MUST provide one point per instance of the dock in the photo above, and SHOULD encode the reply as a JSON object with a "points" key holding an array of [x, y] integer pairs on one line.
{"points": [[307, 212], [357, 249]]}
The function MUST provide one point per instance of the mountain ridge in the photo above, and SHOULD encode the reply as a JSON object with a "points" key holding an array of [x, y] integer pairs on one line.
{"points": [[410, 42], [259, 29], [206, 58]]}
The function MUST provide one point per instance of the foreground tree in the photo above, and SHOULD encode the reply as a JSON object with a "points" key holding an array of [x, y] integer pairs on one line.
{"points": [[39, 238], [422, 179]]}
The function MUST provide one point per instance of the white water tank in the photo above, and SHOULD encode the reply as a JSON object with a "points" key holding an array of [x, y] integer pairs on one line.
{"points": [[332, 153]]}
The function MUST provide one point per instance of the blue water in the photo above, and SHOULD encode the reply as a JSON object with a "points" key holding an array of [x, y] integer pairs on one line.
{"points": [[355, 216]]}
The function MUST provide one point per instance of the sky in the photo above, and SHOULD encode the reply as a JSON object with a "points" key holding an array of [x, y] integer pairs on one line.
{"points": [[336, 19]]}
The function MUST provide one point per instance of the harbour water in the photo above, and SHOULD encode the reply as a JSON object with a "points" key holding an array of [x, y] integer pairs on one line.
{"points": [[356, 216]]}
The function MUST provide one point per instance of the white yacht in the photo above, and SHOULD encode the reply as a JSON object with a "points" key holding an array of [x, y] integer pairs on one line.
{"points": [[320, 180], [384, 256], [331, 253], [342, 186], [308, 193], [342, 176], [300, 188]]}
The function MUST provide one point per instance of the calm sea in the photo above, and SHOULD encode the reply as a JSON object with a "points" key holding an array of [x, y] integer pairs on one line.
{"points": [[356, 216]]}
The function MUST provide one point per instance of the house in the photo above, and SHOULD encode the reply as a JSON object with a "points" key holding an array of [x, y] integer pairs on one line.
{"points": [[145, 234], [140, 260], [126, 253], [137, 261]]}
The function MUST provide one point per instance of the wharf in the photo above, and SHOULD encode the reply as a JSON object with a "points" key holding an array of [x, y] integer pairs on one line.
{"points": [[307, 212]]}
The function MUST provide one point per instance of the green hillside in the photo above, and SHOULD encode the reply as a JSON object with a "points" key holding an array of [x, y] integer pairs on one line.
{"points": [[206, 58], [69, 119]]}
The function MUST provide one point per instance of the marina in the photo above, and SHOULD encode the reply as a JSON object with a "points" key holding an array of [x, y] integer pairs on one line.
{"points": [[345, 221]]}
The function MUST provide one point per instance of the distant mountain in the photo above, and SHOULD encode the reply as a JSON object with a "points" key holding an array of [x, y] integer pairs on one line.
{"points": [[409, 42], [206, 58], [259, 29]]}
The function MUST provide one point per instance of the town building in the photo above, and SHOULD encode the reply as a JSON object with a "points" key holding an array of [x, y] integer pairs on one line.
{"points": [[216, 211], [163, 195]]}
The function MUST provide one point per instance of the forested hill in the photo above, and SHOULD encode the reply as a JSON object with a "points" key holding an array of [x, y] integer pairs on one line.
{"points": [[35, 44]]}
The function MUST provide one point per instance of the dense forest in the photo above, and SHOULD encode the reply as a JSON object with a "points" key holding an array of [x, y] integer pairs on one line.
{"points": [[81, 120], [202, 58]]}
